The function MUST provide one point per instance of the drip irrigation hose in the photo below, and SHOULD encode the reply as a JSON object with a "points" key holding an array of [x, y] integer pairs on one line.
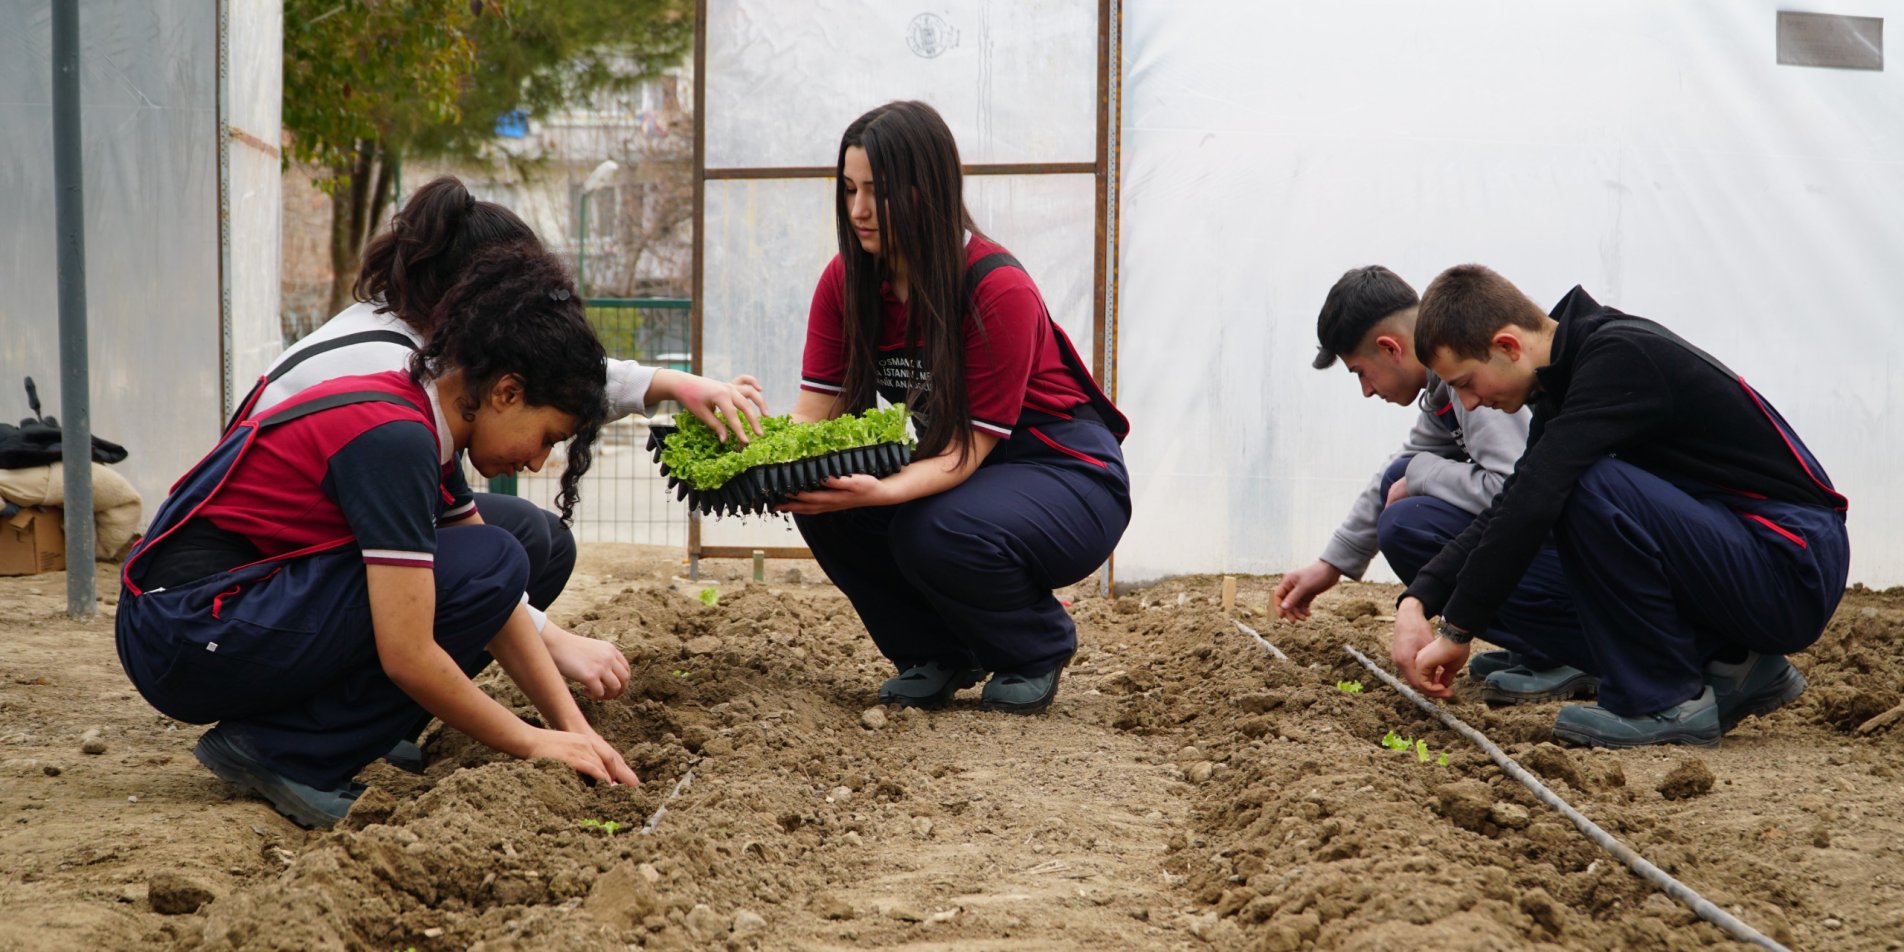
{"points": [[1706, 910], [679, 785], [1728, 923], [1272, 649]]}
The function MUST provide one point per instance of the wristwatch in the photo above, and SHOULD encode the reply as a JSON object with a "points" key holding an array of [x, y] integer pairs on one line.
{"points": [[1459, 636]]}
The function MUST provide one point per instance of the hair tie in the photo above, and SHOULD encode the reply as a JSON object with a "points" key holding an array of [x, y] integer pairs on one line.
{"points": [[559, 294], [469, 203]]}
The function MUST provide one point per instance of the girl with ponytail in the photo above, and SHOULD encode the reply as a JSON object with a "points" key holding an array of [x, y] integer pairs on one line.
{"points": [[407, 270]]}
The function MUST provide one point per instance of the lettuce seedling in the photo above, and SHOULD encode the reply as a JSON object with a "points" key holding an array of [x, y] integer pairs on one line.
{"points": [[606, 826], [1349, 687], [710, 596], [695, 456], [1394, 741]]}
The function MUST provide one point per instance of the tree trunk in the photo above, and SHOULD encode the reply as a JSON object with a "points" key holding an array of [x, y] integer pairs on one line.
{"points": [[358, 203]]}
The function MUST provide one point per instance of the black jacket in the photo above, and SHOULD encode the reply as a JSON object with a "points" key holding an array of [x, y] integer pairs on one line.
{"points": [[1621, 389]]}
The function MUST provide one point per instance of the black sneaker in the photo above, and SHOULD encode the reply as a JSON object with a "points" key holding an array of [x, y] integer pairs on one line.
{"points": [[406, 755], [1754, 687], [1694, 722], [304, 805], [1524, 685], [1020, 694], [929, 685]]}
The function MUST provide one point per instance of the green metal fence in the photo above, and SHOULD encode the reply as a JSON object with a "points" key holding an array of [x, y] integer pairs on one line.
{"points": [[624, 496]]}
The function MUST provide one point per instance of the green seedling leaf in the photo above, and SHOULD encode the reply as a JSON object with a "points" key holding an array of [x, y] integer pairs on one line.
{"points": [[1441, 761], [710, 596], [1394, 741], [606, 826], [1421, 751], [680, 673], [1349, 687]]}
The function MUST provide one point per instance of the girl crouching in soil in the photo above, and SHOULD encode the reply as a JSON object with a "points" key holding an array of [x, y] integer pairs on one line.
{"points": [[1018, 485], [296, 588]]}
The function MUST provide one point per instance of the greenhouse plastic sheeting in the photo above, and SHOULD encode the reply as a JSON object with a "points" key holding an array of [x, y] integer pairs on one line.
{"points": [[148, 86], [1656, 154], [1015, 79]]}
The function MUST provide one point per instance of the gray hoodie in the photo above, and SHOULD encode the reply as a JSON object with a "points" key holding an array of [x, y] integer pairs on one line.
{"points": [[1463, 467]]}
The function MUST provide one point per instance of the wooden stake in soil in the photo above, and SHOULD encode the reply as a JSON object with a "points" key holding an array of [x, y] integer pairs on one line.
{"points": [[660, 811], [1229, 593], [760, 565]]}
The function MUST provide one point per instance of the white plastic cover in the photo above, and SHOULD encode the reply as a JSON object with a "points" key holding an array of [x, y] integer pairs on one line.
{"points": [[148, 87], [1015, 79], [254, 99], [1655, 153]]}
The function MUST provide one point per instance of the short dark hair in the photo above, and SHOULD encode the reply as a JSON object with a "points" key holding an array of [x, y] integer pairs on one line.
{"points": [[1359, 301], [1464, 306], [410, 264]]}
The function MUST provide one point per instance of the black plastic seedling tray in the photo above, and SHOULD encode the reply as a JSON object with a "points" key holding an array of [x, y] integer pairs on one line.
{"points": [[758, 490]]}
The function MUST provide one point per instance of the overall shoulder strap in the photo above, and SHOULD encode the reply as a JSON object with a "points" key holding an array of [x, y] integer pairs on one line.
{"points": [[330, 402], [984, 266], [337, 343]]}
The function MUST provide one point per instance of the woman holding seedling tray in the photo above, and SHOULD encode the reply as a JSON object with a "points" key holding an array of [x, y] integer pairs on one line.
{"points": [[1017, 485]]}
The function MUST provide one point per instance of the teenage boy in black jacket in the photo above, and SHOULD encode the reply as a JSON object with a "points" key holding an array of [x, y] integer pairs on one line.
{"points": [[1701, 540]]}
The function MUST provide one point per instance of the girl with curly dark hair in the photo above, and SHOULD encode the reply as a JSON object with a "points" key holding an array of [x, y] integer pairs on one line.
{"points": [[406, 270], [1018, 485], [296, 586]]}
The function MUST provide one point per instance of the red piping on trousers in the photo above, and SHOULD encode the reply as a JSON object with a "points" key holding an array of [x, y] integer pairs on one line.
{"points": [[1790, 536], [1066, 450]]}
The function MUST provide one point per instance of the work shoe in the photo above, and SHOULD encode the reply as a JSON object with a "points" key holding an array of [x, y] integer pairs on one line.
{"points": [[405, 755], [1754, 687], [1488, 662], [1521, 684], [306, 806], [1020, 694], [1694, 722], [929, 685]]}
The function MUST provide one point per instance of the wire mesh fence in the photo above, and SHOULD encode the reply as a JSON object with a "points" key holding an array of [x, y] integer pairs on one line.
{"points": [[624, 495]]}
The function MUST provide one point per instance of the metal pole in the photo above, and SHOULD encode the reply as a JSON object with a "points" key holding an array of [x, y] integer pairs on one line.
{"points": [[581, 242], [75, 403]]}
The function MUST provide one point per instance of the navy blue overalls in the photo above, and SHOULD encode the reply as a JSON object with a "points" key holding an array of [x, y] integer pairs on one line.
{"points": [[282, 651], [965, 576], [1538, 620], [1667, 576]]}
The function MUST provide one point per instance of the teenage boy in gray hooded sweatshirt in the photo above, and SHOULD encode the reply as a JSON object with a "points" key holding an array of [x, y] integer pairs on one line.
{"points": [[1449, 468]]}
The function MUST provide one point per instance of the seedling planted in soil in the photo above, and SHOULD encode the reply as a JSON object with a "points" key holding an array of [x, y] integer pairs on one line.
{"points": [[1349, 687], [710, 596], [1394, 741], [606, 826]]}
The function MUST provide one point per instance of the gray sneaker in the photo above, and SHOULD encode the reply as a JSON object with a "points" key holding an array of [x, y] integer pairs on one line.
{"points": [[304, 805], [1020, 694], [1754, 687], [1488, 662], [929, 685], [1694, 722], [1524, 685]]}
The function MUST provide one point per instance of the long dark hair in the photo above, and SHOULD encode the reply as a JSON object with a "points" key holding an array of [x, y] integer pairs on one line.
{"points": [[514, 310], [411, 263], [922, 221]]}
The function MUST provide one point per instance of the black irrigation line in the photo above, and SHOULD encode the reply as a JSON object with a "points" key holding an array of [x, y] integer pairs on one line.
{"points": [[1728, 923]]}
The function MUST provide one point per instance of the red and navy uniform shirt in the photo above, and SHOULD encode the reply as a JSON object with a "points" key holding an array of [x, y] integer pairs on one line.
{"points": [[375, 472], [1012, 365]]}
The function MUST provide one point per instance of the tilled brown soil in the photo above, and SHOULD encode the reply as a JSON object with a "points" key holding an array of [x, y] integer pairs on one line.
{"points": [[1187, 790]]}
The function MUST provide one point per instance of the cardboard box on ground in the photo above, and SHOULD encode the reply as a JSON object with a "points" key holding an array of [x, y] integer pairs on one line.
{"points": [[33, 540]]}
